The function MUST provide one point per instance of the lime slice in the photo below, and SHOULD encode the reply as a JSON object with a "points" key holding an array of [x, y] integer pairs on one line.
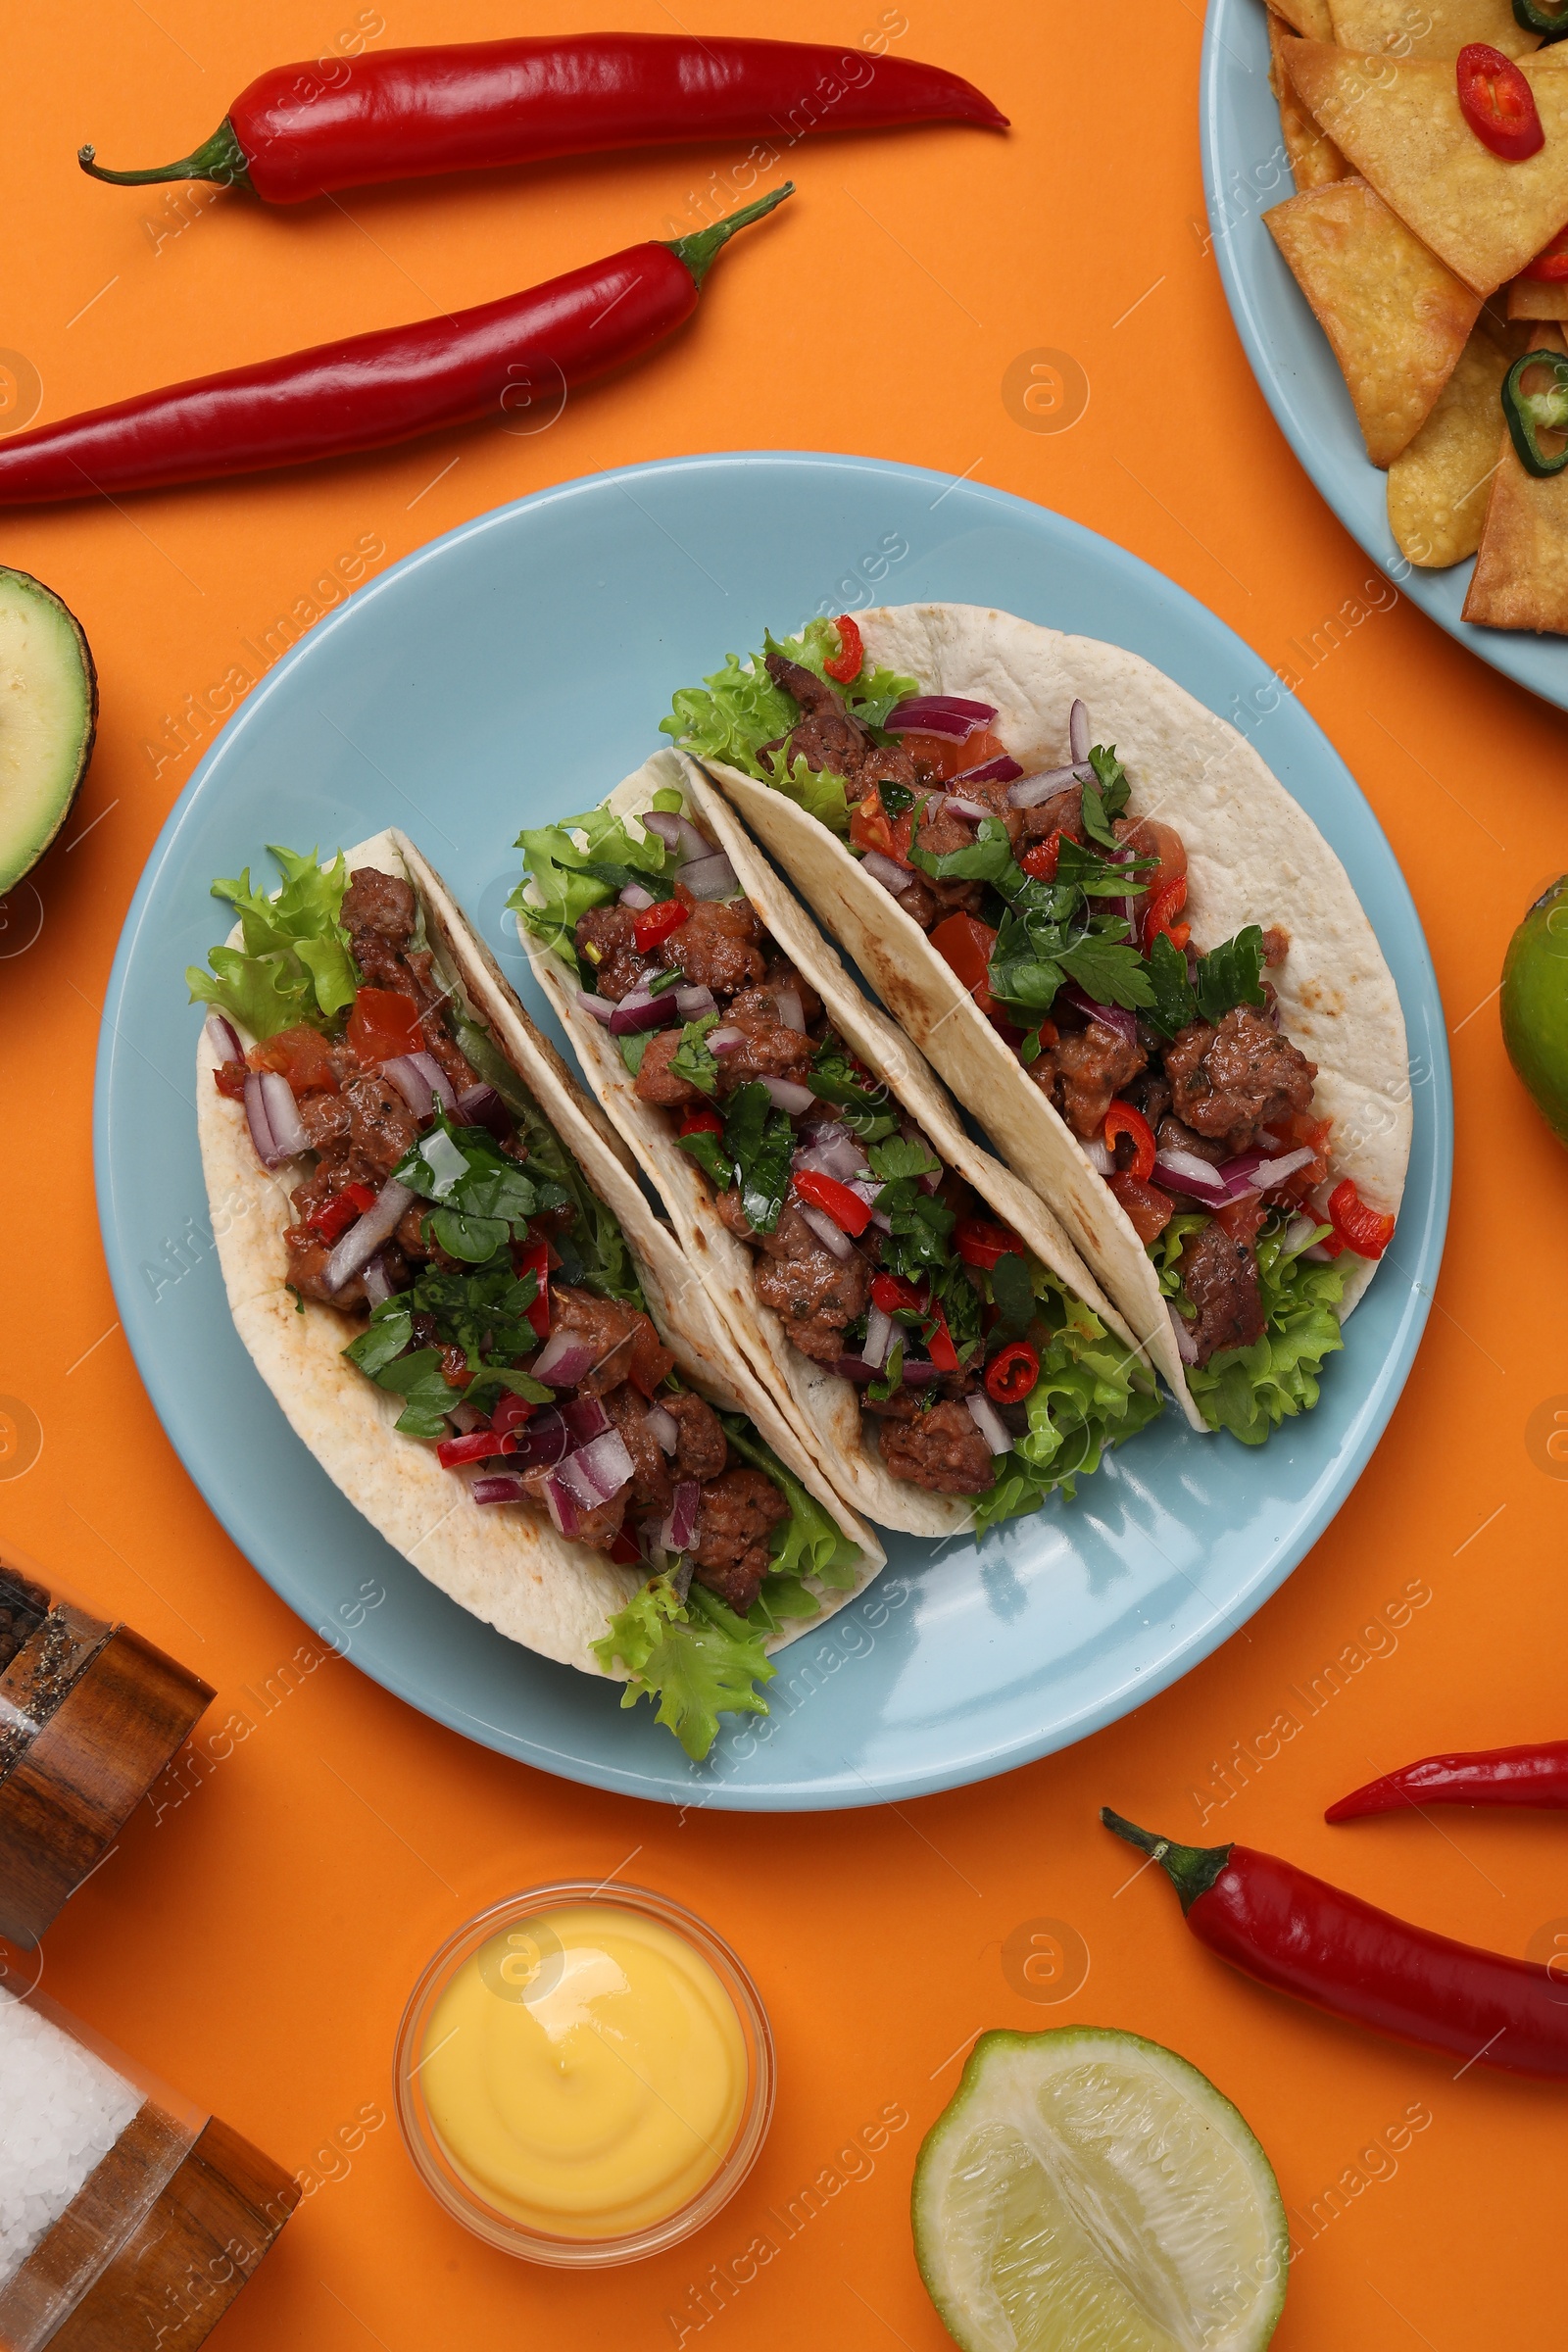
{"points": [[1089, 2191], [1535, 1004]]}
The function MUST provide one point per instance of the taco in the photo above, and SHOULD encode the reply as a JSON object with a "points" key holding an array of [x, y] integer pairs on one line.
{"points": [[920, 1313], [1136, 959], [447, 1275]]}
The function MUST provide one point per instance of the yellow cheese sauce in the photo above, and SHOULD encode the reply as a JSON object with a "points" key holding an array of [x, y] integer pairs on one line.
{"points": [[585, 2071]]}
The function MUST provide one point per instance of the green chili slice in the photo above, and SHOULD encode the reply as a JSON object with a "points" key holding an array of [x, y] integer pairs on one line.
{"points": [[1531, 414], [1535, 17]]}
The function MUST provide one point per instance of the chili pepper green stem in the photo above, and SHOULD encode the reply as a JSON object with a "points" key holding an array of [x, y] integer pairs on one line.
{"points": [[698, 251], [1531, 414], [221, 157], [1191, 1869]]}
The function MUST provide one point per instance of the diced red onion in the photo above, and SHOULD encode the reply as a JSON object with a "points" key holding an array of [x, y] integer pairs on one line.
{"points": [[678, 833], [562, 1360], [544, 1442], [1296, 1231], [481, 1107], [999, 770], [954, 804], [1186, 1343], [884, 1224], [1097, 1154], [866, 1188], [662, 1427], [692, 1002], [680, 1527], [711, 877], [600, 1007], [1035, 789], [366, 1235], [1078, 736], [725, 1041], [886, 871], [436, 1079], [1114, 1017], [1185, 1172], [939, 715], [586, 1418], [463, 1417], [378, 1288], [827, 1233], [267, 1151], [791, 1011], [641, 1011], [853, 1367], [989, 1422], [840, 1157], [562, 1506], [412, 1084], [920, 1373], [289, 1138], [1260, 1175], [785, 1094], [878, 1336], [497, 1489], [597, 1472], [637, 898], [223, 1037]]}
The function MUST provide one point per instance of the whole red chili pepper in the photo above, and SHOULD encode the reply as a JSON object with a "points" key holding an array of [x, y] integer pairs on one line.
{"points": [[372, 390], [1303, 1936], [1498, 1776], [410, 113]]}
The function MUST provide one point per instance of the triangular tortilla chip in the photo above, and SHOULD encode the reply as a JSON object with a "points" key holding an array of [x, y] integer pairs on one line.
{"points": [[1397, 320], [1310, 17], [1537, 298], [1315, 158], [1439, 487], [1401, 127], [1520, 574], [1435, 28]]}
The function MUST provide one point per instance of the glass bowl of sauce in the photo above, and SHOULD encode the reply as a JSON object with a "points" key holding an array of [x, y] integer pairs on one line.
{"points": [[584, 2075]]}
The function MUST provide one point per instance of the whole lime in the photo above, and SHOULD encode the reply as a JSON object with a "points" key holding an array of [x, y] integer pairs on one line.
{"points": [[1535, 1004]]}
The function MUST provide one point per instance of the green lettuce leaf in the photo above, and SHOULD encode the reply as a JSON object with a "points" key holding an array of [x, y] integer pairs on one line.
{"points": [[809, 1542], [696, 1658], [1251, 1390], [293, 968], [1091, 1394], [558, 881]]}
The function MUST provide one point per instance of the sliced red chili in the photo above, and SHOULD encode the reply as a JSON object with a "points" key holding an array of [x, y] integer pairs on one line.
{"points": [[533, 1257], [702, 1122], [1498, 103], [889, 1292], [869, 827], [939, 1345], [654, 925], [477, 1447], [964, 945], [336, 1217], [1012, 1373], [1040, 861], [512, 1412], [980, 1243], [1550, 264], [836, 1200], [1356, 1226], [1163, 905], [847, 661], [1122, 1120]]}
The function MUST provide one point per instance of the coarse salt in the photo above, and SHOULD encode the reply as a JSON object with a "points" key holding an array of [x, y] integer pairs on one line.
{"points": [[62, 2110]]}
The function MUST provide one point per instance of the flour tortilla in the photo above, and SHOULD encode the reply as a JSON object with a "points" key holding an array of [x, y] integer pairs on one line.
{"points": [[1254, 857], [506, 1563], [825, 1409]]}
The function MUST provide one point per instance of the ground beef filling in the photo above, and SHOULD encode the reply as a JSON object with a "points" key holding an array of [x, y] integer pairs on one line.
{"points": [[1226, 1083]]}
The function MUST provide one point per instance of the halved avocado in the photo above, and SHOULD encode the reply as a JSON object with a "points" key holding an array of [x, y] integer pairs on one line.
{"points": [[48, 718]]}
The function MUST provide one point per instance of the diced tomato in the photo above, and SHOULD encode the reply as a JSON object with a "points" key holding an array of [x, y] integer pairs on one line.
{"points": [[869, 828], [533, 1257], [1160, 910], [1040, 861], [623, 1551], [1122, 1120], [980, 1243], [229, 1079], [336, 1217], [383, 1024], [964, 944], [1242, 1218], [1148, 1209], [1012, 1373], [847, 663], [1300, 1128], [300, 1055], [654, 925], [652, 1362], [889, 1292], [945, 757], [702, 1122], [1356, 1226], [479, 1445], [847, 1210], [511, 1411], [943, 1352], [1550, 264]]}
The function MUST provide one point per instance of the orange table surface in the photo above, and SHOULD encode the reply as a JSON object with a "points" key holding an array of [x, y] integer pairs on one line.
{"points": [[256, 1930]]}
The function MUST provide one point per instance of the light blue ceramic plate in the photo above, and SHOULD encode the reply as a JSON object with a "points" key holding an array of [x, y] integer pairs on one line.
{"points": [[517, 669], [1244, 172]]}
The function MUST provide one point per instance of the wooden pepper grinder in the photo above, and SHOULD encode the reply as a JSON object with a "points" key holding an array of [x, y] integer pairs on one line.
{"points": [[90, 1715]]}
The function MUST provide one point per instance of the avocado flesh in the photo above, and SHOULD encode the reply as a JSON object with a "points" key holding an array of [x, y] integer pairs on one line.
{"points": [[48, 717]]}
